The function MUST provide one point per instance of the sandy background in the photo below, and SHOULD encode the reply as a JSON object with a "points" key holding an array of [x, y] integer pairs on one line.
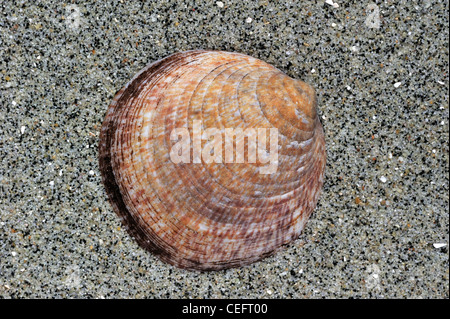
{"points": [[383, 100]]}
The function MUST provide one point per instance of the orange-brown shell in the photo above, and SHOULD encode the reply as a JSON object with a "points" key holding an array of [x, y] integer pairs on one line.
{"points": [[220, 215]]}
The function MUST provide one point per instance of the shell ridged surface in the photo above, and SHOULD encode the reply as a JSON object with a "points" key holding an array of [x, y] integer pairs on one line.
{"points": [[211, 216]]}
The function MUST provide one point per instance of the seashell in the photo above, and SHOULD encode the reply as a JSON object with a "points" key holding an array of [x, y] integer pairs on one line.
{"points": [[214, 214]]}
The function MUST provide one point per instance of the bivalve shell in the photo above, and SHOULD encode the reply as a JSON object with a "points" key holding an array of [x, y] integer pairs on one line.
{"points": [[213, 159]]}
